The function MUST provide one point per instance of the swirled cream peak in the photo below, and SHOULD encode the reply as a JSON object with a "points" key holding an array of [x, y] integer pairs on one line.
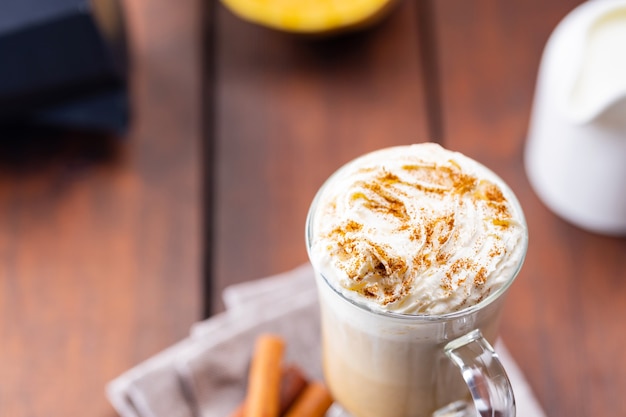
{"points": [[418, 230]]}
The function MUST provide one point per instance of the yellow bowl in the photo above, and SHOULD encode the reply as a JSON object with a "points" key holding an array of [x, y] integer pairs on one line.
{"points": [[310, 16]]}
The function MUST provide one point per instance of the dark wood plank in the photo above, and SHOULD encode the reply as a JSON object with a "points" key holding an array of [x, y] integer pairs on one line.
{"points": [[561, 323], [291, 110], [100, 238]]}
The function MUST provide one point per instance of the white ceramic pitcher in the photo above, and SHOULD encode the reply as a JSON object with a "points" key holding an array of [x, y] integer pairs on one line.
{"points": [[576, 148]]}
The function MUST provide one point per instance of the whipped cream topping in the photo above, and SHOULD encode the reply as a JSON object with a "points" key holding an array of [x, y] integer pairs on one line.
{"points": [[416, 230]]}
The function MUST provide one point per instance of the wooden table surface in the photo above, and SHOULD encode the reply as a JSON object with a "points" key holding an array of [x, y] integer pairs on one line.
{"points": [[110, 248]]}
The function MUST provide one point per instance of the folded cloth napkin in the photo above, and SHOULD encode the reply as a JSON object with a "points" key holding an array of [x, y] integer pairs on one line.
{"points": [[204, 375]]}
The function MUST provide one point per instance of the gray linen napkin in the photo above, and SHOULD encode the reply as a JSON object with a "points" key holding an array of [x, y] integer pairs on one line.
{"points": [[205, 374]]}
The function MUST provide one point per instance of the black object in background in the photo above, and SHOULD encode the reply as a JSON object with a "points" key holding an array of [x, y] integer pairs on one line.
{"points": [[63, 62]]}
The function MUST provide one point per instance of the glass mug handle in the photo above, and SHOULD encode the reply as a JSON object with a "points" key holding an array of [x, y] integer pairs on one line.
{"points": [[487, 381]]}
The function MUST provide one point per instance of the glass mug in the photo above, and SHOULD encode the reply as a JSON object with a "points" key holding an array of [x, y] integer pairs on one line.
{"points": [[385, 364]]}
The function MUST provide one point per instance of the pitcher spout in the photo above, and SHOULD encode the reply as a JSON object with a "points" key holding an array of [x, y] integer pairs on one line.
{"points": [[600, 83], [575, 154]]}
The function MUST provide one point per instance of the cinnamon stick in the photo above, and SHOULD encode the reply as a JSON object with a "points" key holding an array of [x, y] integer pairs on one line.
{"points": [[313, 402], [263, 399], [292, 383]]}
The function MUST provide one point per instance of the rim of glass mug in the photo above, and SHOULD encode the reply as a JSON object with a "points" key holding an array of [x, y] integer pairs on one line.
{"points": [[421, 317]]}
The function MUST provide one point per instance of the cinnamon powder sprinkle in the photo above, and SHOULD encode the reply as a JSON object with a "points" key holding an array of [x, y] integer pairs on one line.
{"points": [[382, 200], [481, 276], [388, 280], [461, 269]]}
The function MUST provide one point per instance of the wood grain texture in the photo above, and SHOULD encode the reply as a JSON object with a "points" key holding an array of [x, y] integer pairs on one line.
{"points": [[563, 320], [100, 237], [291, 110]]}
